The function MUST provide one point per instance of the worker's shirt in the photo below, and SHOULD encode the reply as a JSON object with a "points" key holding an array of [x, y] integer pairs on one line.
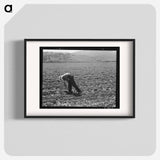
{"points": [[66, 76]]}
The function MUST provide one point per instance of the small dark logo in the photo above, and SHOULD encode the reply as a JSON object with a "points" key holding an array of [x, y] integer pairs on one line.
{"points": [[8, 8]]}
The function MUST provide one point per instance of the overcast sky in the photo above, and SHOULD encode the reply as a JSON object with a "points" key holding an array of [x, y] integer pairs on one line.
{"points": [[81, 52]]}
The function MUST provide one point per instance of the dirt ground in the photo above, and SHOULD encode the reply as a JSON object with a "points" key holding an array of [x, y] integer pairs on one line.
{"points": [[96, 80]]}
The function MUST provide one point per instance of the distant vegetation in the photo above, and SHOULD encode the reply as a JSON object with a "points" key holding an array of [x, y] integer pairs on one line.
{"points": [[49, 57], [57, 57]]}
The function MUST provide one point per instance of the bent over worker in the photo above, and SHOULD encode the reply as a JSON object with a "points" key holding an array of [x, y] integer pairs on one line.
{"points": [[68, 78]]}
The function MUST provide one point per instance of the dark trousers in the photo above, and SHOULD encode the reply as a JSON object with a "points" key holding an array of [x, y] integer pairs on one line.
{"points": [[71, 82]]}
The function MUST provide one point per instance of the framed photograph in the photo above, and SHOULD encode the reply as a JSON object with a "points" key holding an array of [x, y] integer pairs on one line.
{"points": [[79, 78]]}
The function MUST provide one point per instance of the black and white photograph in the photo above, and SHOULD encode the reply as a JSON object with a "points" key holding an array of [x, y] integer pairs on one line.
{"points": [[79, 77]]}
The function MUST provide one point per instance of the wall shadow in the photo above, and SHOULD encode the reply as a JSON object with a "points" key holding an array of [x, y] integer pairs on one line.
{"points": [[18, 81]]}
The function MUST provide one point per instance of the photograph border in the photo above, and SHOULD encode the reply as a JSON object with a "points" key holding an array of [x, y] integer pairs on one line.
{"points": [[83, 48], [25, 76]]}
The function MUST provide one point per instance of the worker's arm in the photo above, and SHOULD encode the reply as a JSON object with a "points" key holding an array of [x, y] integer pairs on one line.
{"points": [[65, 84]]}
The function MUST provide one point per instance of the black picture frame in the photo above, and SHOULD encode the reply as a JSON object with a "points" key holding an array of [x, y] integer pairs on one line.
{"points": [[25, 76]]}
